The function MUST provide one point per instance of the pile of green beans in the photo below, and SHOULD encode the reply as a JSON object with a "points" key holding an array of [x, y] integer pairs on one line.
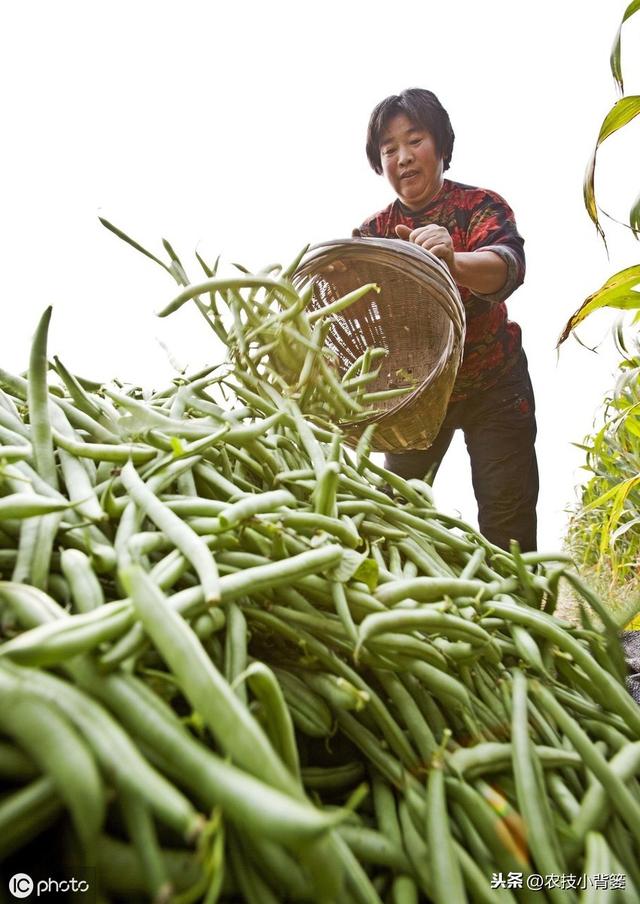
{"points": [[240, 661]]}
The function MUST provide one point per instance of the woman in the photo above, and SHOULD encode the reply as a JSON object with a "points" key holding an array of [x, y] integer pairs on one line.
{"points": [[473, 231]]}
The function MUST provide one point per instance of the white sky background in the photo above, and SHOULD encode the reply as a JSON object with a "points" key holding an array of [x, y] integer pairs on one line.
{"points": [[239, 129]]}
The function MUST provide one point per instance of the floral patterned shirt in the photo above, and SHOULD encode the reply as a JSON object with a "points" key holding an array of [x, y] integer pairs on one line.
{"points": [[475, 218]]}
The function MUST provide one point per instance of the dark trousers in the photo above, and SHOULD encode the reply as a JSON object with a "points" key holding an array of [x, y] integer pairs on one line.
{"points": [[499, 427]]}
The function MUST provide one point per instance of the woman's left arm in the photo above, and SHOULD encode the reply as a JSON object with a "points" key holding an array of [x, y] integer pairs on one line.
{"points": [[491, 262], [482, 271]]}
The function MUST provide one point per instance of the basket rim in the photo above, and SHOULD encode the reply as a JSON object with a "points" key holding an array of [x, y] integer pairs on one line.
{"points": [[415, 263], [412, 261]]}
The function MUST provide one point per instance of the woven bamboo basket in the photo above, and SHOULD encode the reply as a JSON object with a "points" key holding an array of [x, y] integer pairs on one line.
{"points": [[418, 317]]}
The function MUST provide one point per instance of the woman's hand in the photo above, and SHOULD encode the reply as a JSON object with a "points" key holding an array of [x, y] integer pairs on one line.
{"points": [[434, 238]]}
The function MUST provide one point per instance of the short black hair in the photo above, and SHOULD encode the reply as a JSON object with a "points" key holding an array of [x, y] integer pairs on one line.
{"points": [[424, 110]]}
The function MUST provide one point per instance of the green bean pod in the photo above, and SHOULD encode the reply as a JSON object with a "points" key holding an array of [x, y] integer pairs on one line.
{"points": [[24, 814], [50, 740], [448, 885]]}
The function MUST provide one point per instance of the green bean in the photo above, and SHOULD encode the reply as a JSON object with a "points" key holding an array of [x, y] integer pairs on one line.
{"points": [[495, 757], [548, 627], [531, 792], [622, 844], [118, 454], [85, 588], [53, 642], [410, 570], [38, 399], [42, 550], [567, 803], [476, 881], [77, 392], [48, 738], [404, 891], [425, 527], [24, 814], [429, 619], [332, 778], [228, 720], [302, 521], [32, 605], [279, 287], [251, 804], [113, 748], [366, 741], [581, 705], [342, 303], [338, 691], [594, 808], [357, 880], [416, 850], [28, 505], [209, 623], [308, 710], [598, 862], [448, 883], [189, 544], [370, 846], [252, 886], [444, 687], [21, 452], [528, 649], [235, 650], [417, 726], [121, 873], [279, 725], [14, 764], [141, 831], [250, 506], [427, 590], [341, 605], [506, 849], [614, 650], [530, 593], [428, 562], [383, 395], [80, 489]]}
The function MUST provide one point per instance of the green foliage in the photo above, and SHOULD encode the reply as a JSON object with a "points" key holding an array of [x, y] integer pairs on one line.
{"points": [[605, 532]]}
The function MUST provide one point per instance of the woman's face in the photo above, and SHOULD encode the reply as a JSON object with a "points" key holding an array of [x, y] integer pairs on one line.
{"points": [[410, 162]]}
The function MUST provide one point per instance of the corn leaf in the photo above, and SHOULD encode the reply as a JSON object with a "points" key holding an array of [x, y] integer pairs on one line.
{"points": [[634, 214], [619, 291], [622, 112], [619, 498], [620, 492], [615, 60]]}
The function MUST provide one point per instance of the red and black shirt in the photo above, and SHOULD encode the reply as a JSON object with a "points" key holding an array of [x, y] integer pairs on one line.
{"points": [[475, 218]]}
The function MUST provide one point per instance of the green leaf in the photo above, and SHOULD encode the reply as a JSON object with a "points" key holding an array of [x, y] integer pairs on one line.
{"points": [[620, 491], [622, 112], [348, 566], [619, 498], [634, 214], [368, 573], [617, 292], [177, 446], [616, 65]]}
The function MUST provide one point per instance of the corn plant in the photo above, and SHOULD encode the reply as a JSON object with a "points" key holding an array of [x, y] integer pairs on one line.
{"points": [[604, 534]]}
